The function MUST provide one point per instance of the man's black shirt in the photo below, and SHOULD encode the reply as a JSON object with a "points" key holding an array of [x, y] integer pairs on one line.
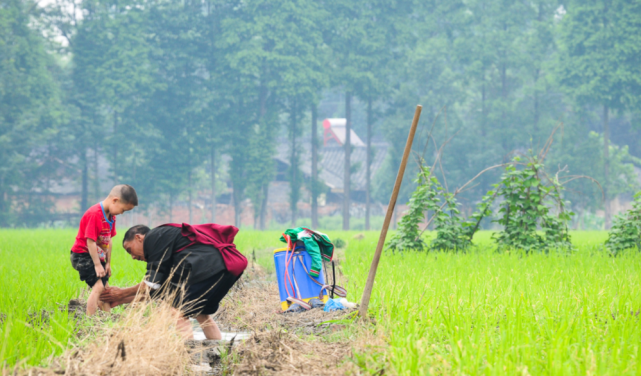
{"points": [[191, 265]]}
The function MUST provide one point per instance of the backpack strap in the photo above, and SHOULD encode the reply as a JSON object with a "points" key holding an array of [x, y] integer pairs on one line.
{"points": [[340, 291], [297, 298]]}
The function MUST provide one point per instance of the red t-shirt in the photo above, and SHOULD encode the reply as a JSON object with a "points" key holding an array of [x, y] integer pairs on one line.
{"points": [[95, 225]]}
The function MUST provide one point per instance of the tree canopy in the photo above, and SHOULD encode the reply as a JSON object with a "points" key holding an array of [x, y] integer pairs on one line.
{"points": [[177, 95]]}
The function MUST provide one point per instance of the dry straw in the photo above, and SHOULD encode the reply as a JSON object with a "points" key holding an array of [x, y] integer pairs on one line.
{"points": [[143, 342]]}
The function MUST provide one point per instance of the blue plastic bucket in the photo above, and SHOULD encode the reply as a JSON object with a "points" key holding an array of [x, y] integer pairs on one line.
{"points": [[306, 286]]}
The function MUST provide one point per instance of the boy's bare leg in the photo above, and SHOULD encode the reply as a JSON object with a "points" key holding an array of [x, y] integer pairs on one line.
{"points": [[104, 305], [92, 302], [209, 326]]}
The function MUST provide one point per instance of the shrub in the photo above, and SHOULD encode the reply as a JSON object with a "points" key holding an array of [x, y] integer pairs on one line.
{"points": [[530, 199], [528, 195], [626, 230]]}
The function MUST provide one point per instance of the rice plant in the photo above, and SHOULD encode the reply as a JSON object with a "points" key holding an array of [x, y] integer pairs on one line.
{"points": [[489, 313]]}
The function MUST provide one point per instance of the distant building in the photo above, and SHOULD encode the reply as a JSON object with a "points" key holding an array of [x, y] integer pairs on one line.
{"points": [[331, 160], [334, 130]]}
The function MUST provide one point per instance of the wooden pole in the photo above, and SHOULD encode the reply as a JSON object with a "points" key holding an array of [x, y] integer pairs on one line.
{"points": [[367, 293]]}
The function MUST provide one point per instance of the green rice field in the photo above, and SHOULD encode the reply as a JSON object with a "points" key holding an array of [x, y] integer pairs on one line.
{"points": [[474, 313]]}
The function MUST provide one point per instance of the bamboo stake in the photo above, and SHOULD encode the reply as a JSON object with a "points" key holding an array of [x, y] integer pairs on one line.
{"points": [[367, 293]]}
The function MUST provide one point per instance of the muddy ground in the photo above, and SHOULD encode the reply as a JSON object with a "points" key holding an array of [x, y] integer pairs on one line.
{"points": [[308, 343]]}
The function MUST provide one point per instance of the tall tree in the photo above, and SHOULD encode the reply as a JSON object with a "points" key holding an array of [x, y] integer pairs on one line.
{"points": [[600, 63], [274, 57], [345, 40], [29, 98], [314, 180]]}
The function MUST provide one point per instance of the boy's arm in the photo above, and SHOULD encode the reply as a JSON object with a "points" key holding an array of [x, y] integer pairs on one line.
{"points": [[93, 252]]}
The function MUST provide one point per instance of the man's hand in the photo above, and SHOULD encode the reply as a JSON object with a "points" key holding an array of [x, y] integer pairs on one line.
{"points": [[100, 271], [112, 294], [108, 269]]}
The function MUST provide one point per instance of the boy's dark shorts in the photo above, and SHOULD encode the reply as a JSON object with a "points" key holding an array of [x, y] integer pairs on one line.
{"points": [[83, 263], [204, 297]]}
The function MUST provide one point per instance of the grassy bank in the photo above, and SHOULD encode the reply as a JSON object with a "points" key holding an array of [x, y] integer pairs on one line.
{"points": [[484, 313], [478, 312]]}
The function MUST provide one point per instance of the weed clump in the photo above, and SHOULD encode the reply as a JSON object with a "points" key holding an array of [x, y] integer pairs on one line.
{"points": [[626, 230]]}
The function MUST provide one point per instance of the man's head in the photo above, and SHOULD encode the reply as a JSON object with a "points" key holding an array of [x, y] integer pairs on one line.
{"points": [[122, 198], [133, 241]]}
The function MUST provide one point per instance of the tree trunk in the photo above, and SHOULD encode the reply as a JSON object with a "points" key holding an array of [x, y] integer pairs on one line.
{"points": [[536, 114], [368, 170], [96, 180], [606, 166], [483, 111], [115, 151], [256, 215], [347, 163], [314, 184], [536, 102], [503, 81], [259, 217], [293, 186], [263, 206], [237, 209], [189, 195], [84, 199], [257, 204], [504, 126], [213, 185]]}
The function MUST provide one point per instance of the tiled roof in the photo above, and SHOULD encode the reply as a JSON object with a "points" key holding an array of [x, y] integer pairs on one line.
{"points": [[331, 162], [337, 128]]}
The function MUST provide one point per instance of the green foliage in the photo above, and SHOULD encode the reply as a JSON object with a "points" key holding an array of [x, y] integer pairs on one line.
{"points": [[339, 243], [528, 195], [600, 45], [29, 115], [450, 232], [584, 157], [424, 198], [626, 229], [483, 210], [156, 87]]}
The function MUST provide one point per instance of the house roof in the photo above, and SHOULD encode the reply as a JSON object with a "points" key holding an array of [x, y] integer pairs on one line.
{"points": [[334, 129], [331, 162]]}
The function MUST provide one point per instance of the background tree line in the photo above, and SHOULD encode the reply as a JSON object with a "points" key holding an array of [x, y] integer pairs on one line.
{"points": [[164, 89]]}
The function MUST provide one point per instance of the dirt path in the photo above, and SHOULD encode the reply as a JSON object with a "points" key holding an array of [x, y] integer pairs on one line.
{"points": [[139, 343], [309, 343]]}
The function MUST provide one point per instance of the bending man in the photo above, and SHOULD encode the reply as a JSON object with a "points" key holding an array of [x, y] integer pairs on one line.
{"points": [[199, 262]]}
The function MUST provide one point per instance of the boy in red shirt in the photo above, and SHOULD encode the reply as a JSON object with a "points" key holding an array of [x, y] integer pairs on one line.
{"points": [[91, 253]]}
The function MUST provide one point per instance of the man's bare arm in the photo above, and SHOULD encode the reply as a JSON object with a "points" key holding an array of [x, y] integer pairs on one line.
{"points": [[126, 295]]}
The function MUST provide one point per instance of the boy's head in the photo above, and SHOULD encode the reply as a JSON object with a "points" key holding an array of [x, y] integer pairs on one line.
{"points": [[122, 198], [133, 241]]}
